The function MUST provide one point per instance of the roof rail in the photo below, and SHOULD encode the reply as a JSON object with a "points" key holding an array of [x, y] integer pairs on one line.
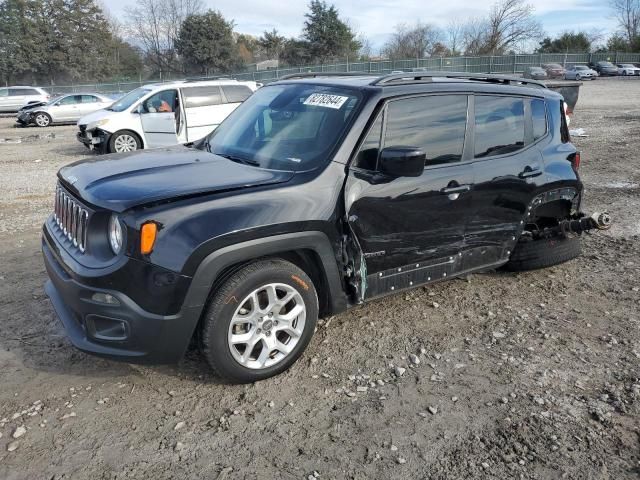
{"points": [[207, 79], [323, 74], [426, 77]]}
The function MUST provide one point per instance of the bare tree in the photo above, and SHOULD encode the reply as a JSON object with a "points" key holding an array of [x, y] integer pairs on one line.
{"points": [[412, 42], [627, 13], [455, 34], [156, 25], [510, 22], [474, 36]]}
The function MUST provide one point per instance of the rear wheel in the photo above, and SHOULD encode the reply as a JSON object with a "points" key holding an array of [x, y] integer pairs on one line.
{"points": [[542, 253], [42, 119], [260, 321], [125, 141]]}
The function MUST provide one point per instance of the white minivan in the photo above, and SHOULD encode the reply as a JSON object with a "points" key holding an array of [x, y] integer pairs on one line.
{"points": [[162, 115]]}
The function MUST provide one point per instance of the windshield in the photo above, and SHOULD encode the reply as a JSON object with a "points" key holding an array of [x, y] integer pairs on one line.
{"points": [[128, 100], [286, 127]]}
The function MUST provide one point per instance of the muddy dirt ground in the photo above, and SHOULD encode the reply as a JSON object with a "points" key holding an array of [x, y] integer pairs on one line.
{"points": [[534, 375]]}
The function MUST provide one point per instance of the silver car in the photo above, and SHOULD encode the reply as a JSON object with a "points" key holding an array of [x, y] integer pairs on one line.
{"points": [[580, 72], [65, 109], [13, 99]]}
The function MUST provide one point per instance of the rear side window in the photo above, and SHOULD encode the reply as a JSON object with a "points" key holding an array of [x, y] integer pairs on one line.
{"points": [[70, 100], [499, 125], [201, 96], [16, 92], [539, 116], [4, 92], [89, 99], [236, 93], [435, 124]]}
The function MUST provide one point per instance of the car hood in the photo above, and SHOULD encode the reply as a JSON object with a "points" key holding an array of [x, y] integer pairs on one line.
{"points": [[97, 115], [122, 181]]}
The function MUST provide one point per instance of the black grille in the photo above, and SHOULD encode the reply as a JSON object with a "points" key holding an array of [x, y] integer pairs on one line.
{"points": [[72, 218]]}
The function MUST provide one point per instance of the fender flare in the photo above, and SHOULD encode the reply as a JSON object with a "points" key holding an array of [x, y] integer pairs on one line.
{"points": [[216, 262]]}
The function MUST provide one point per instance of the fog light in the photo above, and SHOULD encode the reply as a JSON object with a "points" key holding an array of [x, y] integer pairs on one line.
{"points": [[105, 298]]}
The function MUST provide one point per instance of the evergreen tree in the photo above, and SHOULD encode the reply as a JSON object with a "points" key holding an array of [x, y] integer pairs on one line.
{"points": [[328, 36]]}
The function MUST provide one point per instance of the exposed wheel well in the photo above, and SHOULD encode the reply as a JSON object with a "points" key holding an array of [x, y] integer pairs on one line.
{"points": [[548, 214]]}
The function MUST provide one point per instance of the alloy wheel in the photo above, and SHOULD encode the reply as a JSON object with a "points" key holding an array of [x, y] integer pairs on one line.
{"points": [[125, 143], [267, 326], [42, 120]]}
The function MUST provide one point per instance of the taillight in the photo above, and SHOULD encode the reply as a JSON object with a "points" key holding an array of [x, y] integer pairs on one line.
{"points": [[574, 158], [565, 107]]}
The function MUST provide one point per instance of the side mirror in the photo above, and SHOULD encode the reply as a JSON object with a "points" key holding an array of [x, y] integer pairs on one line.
{"points": [[402, 161]]}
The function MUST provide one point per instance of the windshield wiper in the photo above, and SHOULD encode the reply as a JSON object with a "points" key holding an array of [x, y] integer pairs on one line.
{"points": [[233, 158]]}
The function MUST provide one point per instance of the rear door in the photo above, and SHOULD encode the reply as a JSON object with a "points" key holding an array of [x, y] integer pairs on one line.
{"points": [[4, 99], [508, 169], [158, 117], [412, 230], [201, 106], [88, 104]]}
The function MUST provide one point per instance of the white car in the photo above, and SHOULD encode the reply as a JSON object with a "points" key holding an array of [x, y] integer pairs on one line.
{"points": [[13, 99], [628, 69], [64, 109], [163, 115]]}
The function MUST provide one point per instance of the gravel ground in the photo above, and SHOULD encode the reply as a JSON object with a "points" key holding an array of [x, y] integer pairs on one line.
{"points": [[534, 375]]}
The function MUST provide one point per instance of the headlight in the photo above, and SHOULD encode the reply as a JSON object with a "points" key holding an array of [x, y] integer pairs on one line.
{"points": [[102, 122], [115, 234]]}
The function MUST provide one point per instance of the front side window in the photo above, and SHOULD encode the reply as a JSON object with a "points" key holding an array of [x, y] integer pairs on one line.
{"points": [[435, 124], [539, 116], [286, 127], [70, 100], [499, 125], [367, 157]]}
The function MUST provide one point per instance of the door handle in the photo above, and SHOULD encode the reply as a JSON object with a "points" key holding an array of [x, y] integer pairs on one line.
{"points": [[530, 171], [456, 189]]}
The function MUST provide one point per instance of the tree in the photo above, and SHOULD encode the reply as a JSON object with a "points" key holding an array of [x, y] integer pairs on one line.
{"points": [[296, 52], [155, 24], [510, 23], [568, 42], [20, 44], [412, 42], [205, 42], [627, 13], [455, 34], [271, 44], [328, 36]]}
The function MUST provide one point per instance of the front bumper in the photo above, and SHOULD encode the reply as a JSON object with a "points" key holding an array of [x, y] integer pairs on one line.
{"points": [[94, 139], [121, 331]]}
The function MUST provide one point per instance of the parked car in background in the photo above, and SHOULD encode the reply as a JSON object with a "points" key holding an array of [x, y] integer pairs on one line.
{"points": [[163, 115], [536, 73], [13, 99], [554, 70], [580, 72], [64, 109], [628, 69], [606, 69]]}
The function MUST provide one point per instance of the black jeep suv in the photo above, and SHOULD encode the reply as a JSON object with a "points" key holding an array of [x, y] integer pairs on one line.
{"points": [[316, 194]]}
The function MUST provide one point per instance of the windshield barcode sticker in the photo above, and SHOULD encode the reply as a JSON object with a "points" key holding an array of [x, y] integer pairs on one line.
{"points": [[325, 100]]}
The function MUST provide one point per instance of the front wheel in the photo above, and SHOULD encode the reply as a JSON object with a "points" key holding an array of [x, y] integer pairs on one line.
{"points": [[578, 77], [259, 321], [122, 142], [42, 119]]}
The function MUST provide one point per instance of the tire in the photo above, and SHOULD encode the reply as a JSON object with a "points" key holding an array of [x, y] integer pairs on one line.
{"points": [[577, 76], [42, 119], [543, 253], [242, 298], [124, 141]]}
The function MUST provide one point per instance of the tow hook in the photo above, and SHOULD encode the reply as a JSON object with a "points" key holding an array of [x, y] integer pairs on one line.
{"points": [[597, 221]]}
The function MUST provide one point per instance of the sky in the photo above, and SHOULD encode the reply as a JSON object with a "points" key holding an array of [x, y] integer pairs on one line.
{"points": [[375, 19]]}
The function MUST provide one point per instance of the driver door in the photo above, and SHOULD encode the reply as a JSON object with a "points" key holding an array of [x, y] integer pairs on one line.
{"points": [[411, 230], [158, 119]]}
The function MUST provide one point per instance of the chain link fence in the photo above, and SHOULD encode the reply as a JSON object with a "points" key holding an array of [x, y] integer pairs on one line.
{"points": [[505, 64]]}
